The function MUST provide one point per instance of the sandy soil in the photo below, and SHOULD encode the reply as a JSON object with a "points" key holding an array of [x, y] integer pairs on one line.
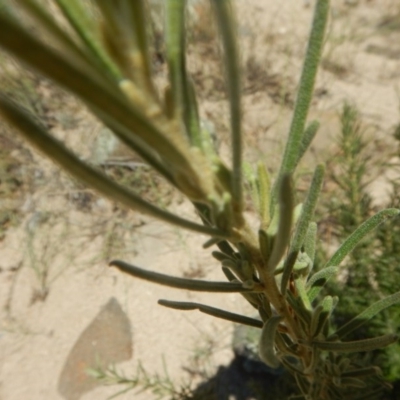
{"points": [[60, 303]]}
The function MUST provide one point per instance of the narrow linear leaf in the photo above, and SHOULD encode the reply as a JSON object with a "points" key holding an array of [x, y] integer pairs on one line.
{"points": [[227, 25], [264, 189], [252, 298], [183, 94], [308, 137], [327, 305], [192, 116], [175, 46], [251, 179], [302, 293], [137, 145], [211, 242], [267, 342], [352, 241], [310, 240], [273, 225], [215, 312], [118, 39], [264, 310], [302, 225], [318, 280], [226, 248], [220, 256], [284, 345], [301, 312], [137, 22], [47, 23], [78, 19], [265, 245], [48, 62], [285, 223], [367, 314], [178, 283], [55, 150], [362, 372], [139, 19], [306, 87], [229, 274], [315, 318], [358, 345]]}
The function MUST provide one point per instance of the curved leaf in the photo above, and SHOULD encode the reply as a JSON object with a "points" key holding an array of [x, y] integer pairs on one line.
{"points": [[215, 312], [179, 283], [267, 342]]}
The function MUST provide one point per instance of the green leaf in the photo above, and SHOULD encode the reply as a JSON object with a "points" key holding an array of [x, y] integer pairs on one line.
{"points": [[265, 245], [314, 50], [310, 240], [301, 292], [299, 308], [55, 150], [215, 312], [220, 256], [175, 46], [96, 94], [251, 179], [59, 37], [192, 119], [352, 241], [83, 26], [302, 225], [227, 26], [135, 22], [138, 146], [285, 223], [308, 137], [183, 94], [367, 314], [178, 283], [267, 342], [323, 311], [315, 318], [358, 345], [318, 280], [252, 298], [264, 189]]}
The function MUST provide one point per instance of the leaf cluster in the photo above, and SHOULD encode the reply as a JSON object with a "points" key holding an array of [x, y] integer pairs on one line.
{"points": [[106, 64]]}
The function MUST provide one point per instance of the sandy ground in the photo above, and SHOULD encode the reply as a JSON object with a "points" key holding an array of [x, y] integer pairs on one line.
{"points": [[60, 303]]}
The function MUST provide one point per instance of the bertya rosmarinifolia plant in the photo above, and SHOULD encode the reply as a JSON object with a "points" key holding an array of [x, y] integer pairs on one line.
{"points": [[105, 62]]}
